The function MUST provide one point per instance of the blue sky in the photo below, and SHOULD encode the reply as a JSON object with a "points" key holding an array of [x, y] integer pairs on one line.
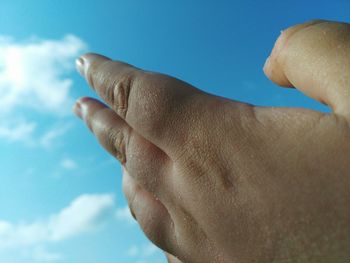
{"points": [[60, 193]]}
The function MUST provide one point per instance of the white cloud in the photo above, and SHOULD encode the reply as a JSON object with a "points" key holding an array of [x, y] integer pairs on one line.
{"points": [[33, 79], [84, 214], [133, 251], [41, 254], [69, 164], [48, 139], [20, 130], [32, 73]]}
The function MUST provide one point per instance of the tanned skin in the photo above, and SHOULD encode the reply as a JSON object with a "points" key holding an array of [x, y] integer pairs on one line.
{"points": [[210, 179]]}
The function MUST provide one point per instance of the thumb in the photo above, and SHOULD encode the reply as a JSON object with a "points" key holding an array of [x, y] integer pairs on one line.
{"points": [[315, 58]]}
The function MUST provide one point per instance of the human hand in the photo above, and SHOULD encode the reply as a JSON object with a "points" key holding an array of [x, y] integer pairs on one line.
{"points": [[214, 180]]}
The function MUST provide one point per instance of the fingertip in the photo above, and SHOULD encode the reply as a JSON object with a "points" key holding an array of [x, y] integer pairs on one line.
{"points": [[77, 109], [84, 62], [274, 64], [266, 67], [80, 105], [79, 64], [274, 71]]}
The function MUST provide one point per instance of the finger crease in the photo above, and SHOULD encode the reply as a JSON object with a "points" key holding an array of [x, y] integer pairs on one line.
{"points": [[116, 140], [121, 94]]}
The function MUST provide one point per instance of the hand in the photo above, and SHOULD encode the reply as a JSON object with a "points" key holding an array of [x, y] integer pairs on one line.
{"points": [[214, 180]]}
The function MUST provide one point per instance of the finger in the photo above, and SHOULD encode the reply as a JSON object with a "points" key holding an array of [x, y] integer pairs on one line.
{"points": [[151, 214], [110, 79], [147, 163], [315, 58], [111, 131], [272, 68], [154, 105]]}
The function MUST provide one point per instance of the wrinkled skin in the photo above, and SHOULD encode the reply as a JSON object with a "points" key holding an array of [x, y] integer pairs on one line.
{"points": [[214, 180]]}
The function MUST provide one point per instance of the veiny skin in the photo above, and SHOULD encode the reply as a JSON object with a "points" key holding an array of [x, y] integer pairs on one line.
{"points": [[214, 180]]}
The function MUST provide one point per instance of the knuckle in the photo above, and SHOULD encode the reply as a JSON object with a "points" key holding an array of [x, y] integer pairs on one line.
{"points": [[115, 139], [152, 100], [120, 92]]}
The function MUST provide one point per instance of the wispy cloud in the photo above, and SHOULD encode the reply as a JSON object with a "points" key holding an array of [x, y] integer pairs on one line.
{"points": [[34, 80], [69, 164], [84, 214], [33, 73], [133, 251], [49, 138], [18, 130], [41, 254]]}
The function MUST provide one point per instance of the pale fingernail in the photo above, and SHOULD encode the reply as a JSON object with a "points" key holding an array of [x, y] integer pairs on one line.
{"points": [[267, 64], [77, 109], [132, 213], [80, 65]]}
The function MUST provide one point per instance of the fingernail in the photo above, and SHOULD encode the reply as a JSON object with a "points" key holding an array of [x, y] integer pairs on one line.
{"points": [[133, 214], [267, 64], [77, 109], [80, 65]]}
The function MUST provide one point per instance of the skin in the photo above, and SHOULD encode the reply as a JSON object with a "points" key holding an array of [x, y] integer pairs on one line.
{"points": [[214, 180]]}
